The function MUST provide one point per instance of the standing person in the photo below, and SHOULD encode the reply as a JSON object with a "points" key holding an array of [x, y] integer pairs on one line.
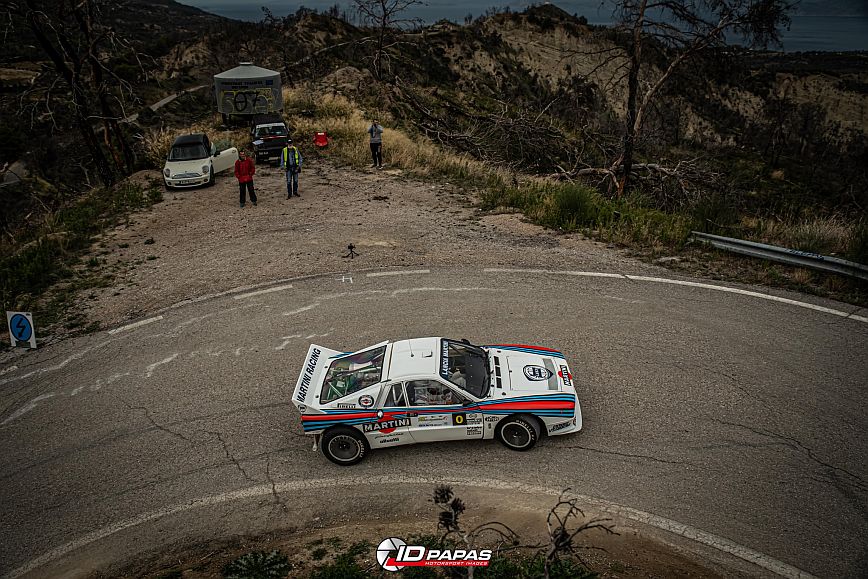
{"points": [[376, 132], [244, 171], [290, 160]]}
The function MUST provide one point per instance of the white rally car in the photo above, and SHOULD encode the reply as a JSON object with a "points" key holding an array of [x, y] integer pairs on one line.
{"points": [[429, 389]]}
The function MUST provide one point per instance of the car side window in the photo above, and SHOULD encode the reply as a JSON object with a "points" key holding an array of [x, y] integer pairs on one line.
{"points": [[396, 396], [430, 393]]}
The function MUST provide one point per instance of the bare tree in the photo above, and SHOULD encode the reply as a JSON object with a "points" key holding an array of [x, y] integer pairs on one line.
{"points": [[681, 29], [79, 46], [385, 16]]}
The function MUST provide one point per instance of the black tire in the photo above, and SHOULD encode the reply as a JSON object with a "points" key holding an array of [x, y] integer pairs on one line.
{"points": [[210, 177], [167, 186], [519, 433], [344, 446]]}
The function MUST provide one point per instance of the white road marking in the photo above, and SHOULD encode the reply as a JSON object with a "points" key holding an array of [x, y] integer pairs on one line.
{"points": [[709, 286], [553, 272], [410, 290], [60, 366], [399, 272], [138, 324], [263, 291], [617, 299], [749, 293], [686, 531], [26, 408], [301, 309], [345, 278], [110, 380], [149, 371], [76, 391]]}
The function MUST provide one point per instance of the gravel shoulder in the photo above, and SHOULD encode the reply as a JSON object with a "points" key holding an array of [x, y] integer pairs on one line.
{"points": [[198, 242]]}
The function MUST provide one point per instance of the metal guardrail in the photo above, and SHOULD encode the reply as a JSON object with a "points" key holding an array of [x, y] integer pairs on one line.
{"points": [[784, 255]]}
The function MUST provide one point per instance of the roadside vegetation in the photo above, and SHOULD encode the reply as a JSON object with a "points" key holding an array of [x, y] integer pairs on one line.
{"points": [[559, 555], [46, 266]]}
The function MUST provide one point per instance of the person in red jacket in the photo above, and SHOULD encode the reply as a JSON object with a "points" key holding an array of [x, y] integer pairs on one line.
{"points": [[244, 170]]}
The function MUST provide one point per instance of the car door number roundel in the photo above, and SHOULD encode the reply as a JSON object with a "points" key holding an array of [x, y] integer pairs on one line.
{"points": [[459, 419]]}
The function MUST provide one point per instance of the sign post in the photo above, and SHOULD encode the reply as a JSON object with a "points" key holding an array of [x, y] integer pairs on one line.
{"points": [[21, 329]]}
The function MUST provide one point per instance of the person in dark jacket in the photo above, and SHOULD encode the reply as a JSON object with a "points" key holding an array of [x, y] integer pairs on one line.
{"points": [[244, 170], [376, 133], [290, 160]]}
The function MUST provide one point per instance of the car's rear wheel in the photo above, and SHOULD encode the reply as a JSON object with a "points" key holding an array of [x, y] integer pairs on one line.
{"points": [[519, 432], [344, 446]]}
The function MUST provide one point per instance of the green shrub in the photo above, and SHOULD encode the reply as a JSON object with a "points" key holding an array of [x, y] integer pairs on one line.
{"points": [[258, 565]]}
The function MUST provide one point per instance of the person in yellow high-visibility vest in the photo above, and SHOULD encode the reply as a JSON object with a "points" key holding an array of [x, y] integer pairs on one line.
{"points": [[290, 160]]}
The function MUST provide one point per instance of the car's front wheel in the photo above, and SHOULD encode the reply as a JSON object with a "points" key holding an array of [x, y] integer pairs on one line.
{"points": [[211, 177], [344, 446], [519, 433]]}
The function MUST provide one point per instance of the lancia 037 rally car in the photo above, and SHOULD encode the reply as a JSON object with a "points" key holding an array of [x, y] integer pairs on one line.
{"points": [[430, 389]]}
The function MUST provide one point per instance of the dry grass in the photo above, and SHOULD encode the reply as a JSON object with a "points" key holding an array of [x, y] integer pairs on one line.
{"points": [[347, 126], [823, 235]]}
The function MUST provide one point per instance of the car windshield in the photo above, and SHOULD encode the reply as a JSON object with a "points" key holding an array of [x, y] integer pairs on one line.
{"points": [[271, 131], [352, 373], [189, 152], [466, 366]]}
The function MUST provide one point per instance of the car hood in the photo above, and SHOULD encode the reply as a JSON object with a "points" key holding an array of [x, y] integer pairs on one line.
{"points": [[532, 369], [181, 167]]}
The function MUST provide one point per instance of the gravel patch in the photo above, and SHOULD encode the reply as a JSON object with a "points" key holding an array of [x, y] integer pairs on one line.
{"points": [[204, 243]]}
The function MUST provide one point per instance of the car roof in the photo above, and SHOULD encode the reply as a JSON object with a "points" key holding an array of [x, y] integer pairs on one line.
{"points": [[196, 138], [419, 356]]}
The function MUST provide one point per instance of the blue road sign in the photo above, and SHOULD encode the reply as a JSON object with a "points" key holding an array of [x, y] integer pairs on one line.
{"points": [[20, 327]]}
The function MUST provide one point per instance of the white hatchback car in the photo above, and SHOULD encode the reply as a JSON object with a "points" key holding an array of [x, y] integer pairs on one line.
{"points": [[193, 160]]}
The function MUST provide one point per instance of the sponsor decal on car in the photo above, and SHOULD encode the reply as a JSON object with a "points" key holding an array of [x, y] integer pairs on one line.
{"points": [[459, 419], [345, 405], [309, 368], [537, 373], [492, 418], [427, 420], [566, 376], [389, 440], [444, 359], [474, 430], [385, 426], [474, 418], [394, 554], [561, 426], [366, 401], [302, 408]]}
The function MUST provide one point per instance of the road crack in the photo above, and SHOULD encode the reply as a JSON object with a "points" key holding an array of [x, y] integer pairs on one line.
{"points": [[794, 444], [277, 499], [231, 457], [627, 455]]}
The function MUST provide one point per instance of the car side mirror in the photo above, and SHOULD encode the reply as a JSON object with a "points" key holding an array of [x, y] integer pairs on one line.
{"points": [[467, 403], [215, 154]]}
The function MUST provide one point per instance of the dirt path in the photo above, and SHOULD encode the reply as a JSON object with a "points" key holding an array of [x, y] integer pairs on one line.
{"points": [[204, 243]]}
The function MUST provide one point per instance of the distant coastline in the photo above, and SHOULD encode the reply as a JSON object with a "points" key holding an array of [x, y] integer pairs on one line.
{"points": [[842, 27]]}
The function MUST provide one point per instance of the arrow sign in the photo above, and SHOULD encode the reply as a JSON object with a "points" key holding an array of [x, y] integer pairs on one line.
{"points": [[21, 328]]}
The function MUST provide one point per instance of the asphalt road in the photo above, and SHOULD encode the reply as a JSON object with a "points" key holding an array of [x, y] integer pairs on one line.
{"points": [[740, 416]]}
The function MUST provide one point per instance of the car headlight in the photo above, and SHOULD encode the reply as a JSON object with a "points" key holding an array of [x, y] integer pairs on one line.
{"points": [[167, 172], [205, 169]]}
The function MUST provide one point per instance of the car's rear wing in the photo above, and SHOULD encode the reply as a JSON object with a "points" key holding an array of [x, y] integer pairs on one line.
{"points": [[315, 364]]}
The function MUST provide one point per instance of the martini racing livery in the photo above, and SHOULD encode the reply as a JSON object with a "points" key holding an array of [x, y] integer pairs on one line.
{"points": [[430, 389]]}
